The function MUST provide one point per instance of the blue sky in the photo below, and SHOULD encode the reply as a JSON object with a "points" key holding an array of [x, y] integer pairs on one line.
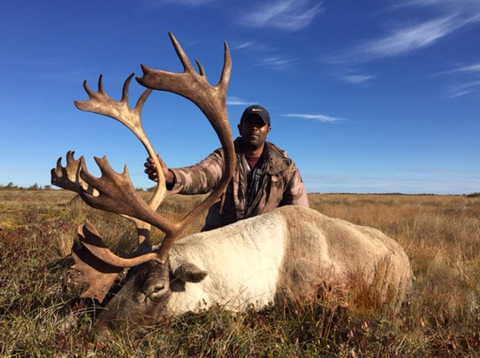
{"points": [[365, 96]]}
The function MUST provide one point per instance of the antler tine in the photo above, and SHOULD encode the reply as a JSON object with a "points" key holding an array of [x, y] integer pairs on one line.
{"points": [[187, 65], [68, 177], [226, 71], [201, 70], [125, 88], [90, 238]]}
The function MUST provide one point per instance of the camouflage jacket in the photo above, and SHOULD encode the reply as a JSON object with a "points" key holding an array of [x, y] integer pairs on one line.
{"points": [[280, 184]]}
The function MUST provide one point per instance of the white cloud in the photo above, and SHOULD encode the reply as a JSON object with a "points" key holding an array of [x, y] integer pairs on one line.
{"points": [[243, 45], [471, 68], [317, 117], [193, 3], [463, 89], [264, 55], [357, 79], [468, 86], [466, 6], [276, 62], [290, 15], [235, 101], [474, 68], [408, 39], [447, 16]]}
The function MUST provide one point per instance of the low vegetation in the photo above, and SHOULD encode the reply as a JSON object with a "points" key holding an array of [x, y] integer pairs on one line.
{"points": [[41, 314]]}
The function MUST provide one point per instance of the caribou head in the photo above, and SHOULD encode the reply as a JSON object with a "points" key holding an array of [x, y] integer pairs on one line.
{"points": [[143, 298]]}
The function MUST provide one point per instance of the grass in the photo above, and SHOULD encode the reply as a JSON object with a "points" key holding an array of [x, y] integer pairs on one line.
{"points": [[41, 314]]}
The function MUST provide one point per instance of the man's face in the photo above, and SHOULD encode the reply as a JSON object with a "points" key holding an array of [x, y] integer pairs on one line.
{"points": [[253, 131]]}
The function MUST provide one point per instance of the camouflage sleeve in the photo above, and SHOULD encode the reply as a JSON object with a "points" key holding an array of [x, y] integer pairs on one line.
{"points": [[202, 177], [295, 193]]}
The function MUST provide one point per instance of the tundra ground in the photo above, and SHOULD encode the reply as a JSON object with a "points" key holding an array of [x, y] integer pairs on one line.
{"points": [[41, 314]]}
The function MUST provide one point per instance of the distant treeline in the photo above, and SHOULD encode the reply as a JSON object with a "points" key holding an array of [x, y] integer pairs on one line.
{"points": [[472, 195], [11, 186]]}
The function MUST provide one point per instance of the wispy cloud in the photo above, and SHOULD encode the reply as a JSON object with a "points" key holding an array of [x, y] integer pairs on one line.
{"points": [[289, 15], [255, 47], [193, 3], [317, 117], [408, 39], [463, 89], [356, 79], [235, 101], [276, 62], [264, 54], [474, 68], [417, 34], [243, 45], [463, 75], [467, 6]]}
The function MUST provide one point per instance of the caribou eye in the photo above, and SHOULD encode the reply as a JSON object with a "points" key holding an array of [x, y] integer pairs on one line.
{"points": [[157, 292], [157, 289]]}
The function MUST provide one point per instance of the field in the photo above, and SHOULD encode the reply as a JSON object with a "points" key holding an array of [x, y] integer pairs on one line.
{"points": [[42, 316]]}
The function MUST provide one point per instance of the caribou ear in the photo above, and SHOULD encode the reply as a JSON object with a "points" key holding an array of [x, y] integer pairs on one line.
{"points": [[189, 272]]}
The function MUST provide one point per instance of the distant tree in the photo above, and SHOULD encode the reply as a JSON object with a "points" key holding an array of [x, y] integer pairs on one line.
{"points": [[33, 187], [9, 186]]}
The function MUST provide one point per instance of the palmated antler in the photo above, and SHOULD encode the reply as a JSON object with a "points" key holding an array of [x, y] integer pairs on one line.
{"points": [[68, 177], [99, 274], [114, 192]]}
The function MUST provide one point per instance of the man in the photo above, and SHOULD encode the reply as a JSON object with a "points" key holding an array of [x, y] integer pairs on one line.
{"points": [[264, 178]]}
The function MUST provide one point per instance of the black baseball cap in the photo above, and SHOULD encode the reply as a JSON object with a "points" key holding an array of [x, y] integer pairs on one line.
{"points": [[256, 110]]}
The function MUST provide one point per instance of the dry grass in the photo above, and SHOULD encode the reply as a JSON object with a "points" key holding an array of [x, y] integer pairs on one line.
{"points": [[41, 315]]}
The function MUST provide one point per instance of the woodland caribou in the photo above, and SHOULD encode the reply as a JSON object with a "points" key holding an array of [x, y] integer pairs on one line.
{"points": [[286, 254]]}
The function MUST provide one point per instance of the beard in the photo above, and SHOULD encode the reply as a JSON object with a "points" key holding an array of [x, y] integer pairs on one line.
{"points": [[253, 142]]}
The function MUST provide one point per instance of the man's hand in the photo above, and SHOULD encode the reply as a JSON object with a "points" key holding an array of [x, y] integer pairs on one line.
{"points": [[150, 169]]}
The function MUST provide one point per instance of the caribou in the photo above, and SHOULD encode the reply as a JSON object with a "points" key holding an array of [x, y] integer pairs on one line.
{"points": [[285, 255]]}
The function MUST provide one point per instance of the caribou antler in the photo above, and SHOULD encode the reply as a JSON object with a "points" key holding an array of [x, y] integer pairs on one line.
{"points": [[99, 102], [211, 100], [114, 192], [99, 274], [68, 177]]}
